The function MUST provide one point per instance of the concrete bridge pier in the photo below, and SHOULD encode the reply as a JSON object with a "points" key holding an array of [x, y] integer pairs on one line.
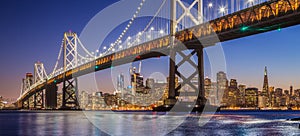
{"points": [[51, 97], [70, 93], [39, 100]]}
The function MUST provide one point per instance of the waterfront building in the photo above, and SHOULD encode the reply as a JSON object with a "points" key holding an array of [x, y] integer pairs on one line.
{"points": [[241, 98], [207, 87], [262, 101], [251, 97], [97, 101], [1, 102], [210, 91], [222, 87], [233, 94], [83, 99]]}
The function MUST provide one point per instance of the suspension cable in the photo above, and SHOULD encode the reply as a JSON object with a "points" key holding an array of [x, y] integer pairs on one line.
{"points": [[127, 27]]}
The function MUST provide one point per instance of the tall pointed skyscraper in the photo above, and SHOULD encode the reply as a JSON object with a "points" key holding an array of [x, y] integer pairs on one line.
{"points": [[265, 90], [264, 98]]}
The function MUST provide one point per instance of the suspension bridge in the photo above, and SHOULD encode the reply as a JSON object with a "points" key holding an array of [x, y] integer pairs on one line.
{"points": [[193, 26]]}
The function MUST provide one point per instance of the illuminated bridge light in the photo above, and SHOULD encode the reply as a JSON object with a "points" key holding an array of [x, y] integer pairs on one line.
{"points": [[96, 67], [244, 28], [279, 29]]}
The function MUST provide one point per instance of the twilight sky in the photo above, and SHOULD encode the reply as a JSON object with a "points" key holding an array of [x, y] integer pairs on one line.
{"points": [[32, 31]]}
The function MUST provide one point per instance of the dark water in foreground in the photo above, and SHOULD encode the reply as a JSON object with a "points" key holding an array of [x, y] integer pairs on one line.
{"points": [[106, 123]]}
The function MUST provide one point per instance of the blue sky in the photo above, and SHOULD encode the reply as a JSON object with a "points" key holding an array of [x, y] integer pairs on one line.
{"points": [[32, 31]]}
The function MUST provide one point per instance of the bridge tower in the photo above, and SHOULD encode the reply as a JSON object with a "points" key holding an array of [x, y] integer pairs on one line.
{"points": [[198, 52], [39, 72], [70, 87], [39, 76], [27, 83]]}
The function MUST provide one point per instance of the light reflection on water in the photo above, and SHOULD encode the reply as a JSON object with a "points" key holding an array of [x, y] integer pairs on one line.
{"points": [[76, 123]]}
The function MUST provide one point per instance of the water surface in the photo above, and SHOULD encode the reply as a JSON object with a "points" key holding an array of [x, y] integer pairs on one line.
{"points": [[77, 123]]}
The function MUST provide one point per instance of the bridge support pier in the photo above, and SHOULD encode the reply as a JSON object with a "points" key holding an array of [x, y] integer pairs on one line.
{"points": [[196, 86], [31, 102], [25, 104], [39, 100], [51, 97], [70, 90]]}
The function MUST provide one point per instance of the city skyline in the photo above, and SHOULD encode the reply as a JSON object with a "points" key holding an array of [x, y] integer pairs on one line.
{"points": [[282, 64], [150, 67]]}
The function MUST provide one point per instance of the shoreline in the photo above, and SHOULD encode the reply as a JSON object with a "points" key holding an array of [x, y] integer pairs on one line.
{"points": [[133, 111]]}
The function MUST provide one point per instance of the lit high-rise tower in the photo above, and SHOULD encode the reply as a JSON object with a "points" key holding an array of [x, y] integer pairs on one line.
{"points": [[120, 84], [264, 100], [265, 90]]}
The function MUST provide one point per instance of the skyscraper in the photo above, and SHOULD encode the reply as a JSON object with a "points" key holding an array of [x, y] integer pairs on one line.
{"points": [[233, 94], [265, 90], [222, 87], [251, 97], [207, 87], [137, 80], [265, 96], [120, 84], [241, 98], [291, 91]]}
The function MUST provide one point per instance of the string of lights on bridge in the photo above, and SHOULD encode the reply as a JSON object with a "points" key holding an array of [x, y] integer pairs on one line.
{"points": [[149, 31]]}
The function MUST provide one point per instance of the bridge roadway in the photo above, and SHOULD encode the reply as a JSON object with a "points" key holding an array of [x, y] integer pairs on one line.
{"points": [[267, 16]]}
